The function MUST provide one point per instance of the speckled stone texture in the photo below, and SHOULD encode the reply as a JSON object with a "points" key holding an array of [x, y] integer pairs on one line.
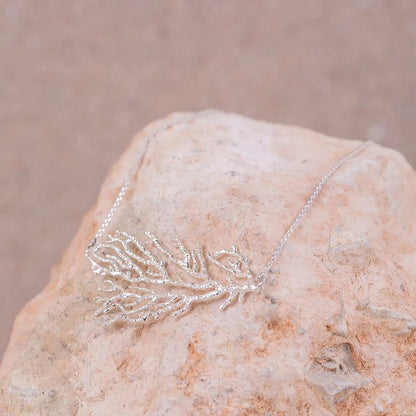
{"points": [[332, 331]]}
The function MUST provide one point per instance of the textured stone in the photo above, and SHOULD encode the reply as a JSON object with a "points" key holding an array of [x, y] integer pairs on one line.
{"points": [[334, 375], [332, 330]]}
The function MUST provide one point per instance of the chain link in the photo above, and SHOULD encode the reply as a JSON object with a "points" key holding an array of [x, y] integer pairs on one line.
{"points": [[136, 168], [260, 278]]}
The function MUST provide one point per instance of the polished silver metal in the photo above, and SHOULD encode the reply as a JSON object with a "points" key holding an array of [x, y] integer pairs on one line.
{"points": [[146, 279]]}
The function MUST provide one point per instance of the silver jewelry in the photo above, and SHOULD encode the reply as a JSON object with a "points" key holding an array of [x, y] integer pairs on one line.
{"points": [[145, 279]]}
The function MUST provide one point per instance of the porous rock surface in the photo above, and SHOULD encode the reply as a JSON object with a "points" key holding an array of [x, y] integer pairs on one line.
{"points": [[331, 331]]}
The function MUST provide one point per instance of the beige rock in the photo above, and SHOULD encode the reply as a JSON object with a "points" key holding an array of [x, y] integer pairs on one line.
{"points": [[332, 330]]}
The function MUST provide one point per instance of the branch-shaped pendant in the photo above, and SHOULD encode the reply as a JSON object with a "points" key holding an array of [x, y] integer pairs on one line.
{"points": [[147, 280]]}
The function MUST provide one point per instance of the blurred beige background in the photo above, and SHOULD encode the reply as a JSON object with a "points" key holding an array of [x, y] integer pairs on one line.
{"points": [[79, 78]]}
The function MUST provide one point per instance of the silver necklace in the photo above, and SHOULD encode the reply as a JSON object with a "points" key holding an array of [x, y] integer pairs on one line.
{"points": [[145, 279]]}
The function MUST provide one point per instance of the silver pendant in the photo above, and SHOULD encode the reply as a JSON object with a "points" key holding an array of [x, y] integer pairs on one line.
{"points": [[147, 280]]}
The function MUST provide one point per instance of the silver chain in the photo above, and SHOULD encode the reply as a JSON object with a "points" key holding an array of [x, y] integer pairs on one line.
{"points": [[136, 167], [315, 193]]}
